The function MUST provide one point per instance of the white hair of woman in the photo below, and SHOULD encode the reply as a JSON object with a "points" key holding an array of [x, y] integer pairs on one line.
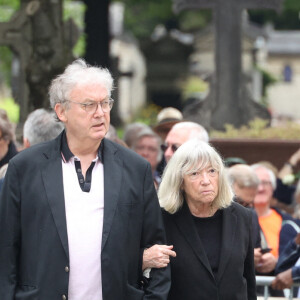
{"points": [[194, 155]]}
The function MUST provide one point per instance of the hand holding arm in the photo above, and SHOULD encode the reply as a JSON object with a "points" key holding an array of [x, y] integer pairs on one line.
{"points": [[158, 256]]}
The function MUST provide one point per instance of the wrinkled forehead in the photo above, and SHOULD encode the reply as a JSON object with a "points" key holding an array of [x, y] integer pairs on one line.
{"points": [[90, 91]]}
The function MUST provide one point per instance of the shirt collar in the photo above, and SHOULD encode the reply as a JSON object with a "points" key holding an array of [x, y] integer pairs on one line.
{"points": [[67, 154]]}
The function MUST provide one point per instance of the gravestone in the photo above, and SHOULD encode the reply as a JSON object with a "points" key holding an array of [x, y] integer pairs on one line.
{"points": [[167, 65], [229, 100], [43, 44]]}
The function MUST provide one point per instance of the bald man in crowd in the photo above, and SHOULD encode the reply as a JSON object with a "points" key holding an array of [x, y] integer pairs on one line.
{"points": [[181, 133], [158, 256]]}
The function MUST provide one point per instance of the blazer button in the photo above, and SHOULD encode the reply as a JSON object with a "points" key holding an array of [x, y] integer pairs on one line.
{"points": [[67, 269], [64, 297]]}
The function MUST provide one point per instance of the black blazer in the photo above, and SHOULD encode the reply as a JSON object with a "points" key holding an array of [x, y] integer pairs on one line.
{"points": [[192, 277], [33, 234]]}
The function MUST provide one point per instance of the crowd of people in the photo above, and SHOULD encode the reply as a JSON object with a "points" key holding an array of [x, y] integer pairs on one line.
{"points": [[156, 214]]}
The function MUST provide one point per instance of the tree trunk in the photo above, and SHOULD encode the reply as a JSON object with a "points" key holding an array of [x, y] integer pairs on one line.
{"points": [[97, 32]]}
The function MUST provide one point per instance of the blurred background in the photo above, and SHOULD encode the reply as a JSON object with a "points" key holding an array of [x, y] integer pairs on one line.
{"points": [[162, 53]]}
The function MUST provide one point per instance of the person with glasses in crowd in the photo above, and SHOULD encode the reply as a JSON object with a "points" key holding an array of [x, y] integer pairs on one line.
{"points": [[244, 183], [181, 133], [270, 221], [158, 256], [75, 211], [147, 144]]}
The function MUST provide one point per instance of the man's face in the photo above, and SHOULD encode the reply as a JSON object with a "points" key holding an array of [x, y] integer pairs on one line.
{"points": [[265, 189], [175, 138], [148, 148], [81, 125], [245, 195]]}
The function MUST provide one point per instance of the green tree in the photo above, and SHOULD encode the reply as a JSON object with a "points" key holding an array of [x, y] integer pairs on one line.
{"points": [[287, 19], [141, 17]]}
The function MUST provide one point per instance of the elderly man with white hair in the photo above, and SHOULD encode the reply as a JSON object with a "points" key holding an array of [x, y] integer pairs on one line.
{"points": [[181, 133], [270, 221], [158, 256]]}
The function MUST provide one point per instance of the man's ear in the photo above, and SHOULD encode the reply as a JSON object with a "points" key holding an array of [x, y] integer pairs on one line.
{"points": [[26, 143], [60, 112]]}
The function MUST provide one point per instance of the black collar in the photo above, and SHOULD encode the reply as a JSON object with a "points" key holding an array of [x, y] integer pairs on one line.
{"points": [[66, 152]]}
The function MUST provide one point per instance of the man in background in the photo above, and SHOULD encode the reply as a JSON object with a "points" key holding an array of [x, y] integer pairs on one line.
{"points": [[40, 126], [158, 256], [147, 144], [181, 133], [244, 183]]}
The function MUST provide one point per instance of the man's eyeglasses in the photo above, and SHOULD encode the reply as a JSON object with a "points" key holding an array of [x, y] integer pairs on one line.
{"points": [[164, 147], [91, 106], [265, 183]]}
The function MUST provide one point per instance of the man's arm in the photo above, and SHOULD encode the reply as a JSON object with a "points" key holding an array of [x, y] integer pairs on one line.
{"points": [[289, 255], [9, 233], [283, 280], [153, 233], [288, 273]]}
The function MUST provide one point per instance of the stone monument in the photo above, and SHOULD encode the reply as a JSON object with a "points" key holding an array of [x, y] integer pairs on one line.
{"points": [[228, 100], [43, 44]]}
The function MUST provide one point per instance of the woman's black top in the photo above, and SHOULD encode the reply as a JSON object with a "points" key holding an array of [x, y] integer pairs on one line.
{"points": [[210, 232]]}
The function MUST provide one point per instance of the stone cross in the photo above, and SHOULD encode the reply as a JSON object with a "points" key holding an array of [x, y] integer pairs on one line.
{"points": [[228, 101]]}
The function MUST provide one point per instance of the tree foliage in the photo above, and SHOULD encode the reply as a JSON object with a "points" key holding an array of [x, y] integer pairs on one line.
{"points": [[286, 19], [142, 16]]}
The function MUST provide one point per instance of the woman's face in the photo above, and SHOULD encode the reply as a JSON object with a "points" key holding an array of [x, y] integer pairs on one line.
{"points": [[202, 186]]}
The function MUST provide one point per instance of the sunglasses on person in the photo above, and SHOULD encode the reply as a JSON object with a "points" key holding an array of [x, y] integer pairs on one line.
{"points": [[164, 147]]}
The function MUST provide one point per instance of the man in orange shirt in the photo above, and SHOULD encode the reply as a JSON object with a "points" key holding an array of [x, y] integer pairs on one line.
{"points": [[270, 220]]}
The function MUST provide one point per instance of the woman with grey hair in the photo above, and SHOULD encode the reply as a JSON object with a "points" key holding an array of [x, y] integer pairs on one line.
{"points": [[211, 233]]}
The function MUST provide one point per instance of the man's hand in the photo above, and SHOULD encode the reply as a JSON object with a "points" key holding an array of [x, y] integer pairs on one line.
{"points": [[158, 256], [266, 263], [257, 256], [283, 280], [297, 239]]}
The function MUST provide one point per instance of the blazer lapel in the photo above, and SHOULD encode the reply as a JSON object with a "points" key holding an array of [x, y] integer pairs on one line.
{"points": [[53, 183], [228, 236], [186, 225], [113, 166]]}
